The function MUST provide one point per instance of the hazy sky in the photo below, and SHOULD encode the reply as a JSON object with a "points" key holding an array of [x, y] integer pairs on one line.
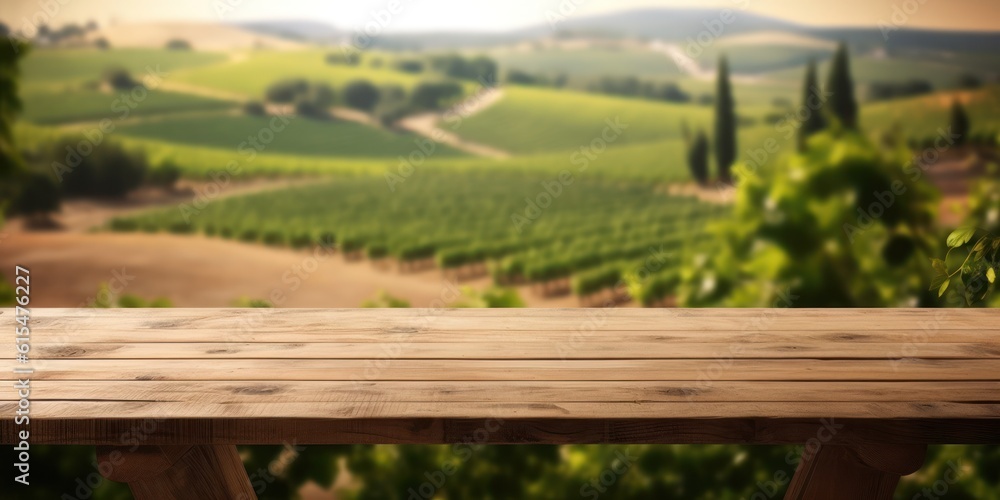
{"points": [[479, 15]]}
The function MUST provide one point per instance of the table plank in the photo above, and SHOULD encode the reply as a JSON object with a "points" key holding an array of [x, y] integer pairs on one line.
{"points": [[609, 375], [388, 368], [507, 392], [526, 349]]}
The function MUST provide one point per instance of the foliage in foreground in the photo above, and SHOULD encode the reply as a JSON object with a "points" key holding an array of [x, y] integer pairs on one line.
{"points": [[974, 277], [840, 225]]}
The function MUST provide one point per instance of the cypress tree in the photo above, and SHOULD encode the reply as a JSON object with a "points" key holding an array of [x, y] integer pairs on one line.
{"points": [[959, 123], [698, 158], [812, 101], [842, 104], [725, 123]]}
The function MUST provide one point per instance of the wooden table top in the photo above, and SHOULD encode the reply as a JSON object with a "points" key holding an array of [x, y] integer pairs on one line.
{"points": [[548, 375]]}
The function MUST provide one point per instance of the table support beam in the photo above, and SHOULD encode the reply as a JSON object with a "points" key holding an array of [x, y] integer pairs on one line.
{"points": [[863, 472], [211, 472]]}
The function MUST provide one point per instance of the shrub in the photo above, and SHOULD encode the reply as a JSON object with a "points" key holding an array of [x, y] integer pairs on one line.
{"points": [[254, 108], [361, 94], [164, 176], [410, 66], [109, 171], [827, 227], [286, 91], [434, 95], [119, 79], [39, 196], [349, 59], [178, 44]]}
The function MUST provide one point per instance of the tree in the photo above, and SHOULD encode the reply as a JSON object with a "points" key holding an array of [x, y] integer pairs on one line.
{"points": [[698, 158], [842, 104], [725, 123], [959, 123], [812, 99], [361, 94]]}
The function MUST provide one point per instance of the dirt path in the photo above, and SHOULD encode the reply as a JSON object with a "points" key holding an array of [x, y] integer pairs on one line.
{"points": [[426, 124], [79, 216], [69, 264], [196, 271]]}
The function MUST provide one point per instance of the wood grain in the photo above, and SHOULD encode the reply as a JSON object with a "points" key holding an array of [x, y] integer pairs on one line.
{"points": [[225, 376]]}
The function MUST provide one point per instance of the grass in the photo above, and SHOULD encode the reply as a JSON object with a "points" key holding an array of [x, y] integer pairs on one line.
{"points": [[252, 76], [760, 58], [52, 67], [531, 120], [301, 136], [921, 117], [590, 63], [866, 70], [52, 107]]}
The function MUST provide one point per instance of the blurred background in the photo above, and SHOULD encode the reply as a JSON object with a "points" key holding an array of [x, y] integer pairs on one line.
{"points": [[241, 153]]}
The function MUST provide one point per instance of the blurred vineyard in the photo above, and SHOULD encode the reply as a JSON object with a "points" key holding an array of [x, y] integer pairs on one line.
{"points": [[585, 236]]}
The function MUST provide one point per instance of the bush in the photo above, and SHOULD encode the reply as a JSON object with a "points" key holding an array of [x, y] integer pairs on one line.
{"points": [[119, 79], [410, 66], [802, 233], [479, 68], [361, 94], [254, 108], [286, 91], [39, 196], [178, 44], [310, 109], [321, 95], [522, 78], [349, 59], [165, 176], [109, 171], [434, 95], [880, 91]]}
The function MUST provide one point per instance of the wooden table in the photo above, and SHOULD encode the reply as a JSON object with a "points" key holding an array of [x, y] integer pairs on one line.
{"points": [[865, 390]]}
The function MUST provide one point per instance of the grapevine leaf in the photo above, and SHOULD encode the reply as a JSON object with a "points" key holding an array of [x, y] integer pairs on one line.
{"points": [[943, 288], [961, 236], [991, 275]]}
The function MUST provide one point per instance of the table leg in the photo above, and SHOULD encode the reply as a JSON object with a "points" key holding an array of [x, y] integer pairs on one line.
{"points": [[178, 472], [863, 472]]}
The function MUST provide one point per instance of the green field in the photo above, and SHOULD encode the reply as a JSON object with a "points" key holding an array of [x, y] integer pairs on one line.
{"points": [[69, 106], [589, 63], [73, 66], [760, 58], [866, 70], [525, 231], [252, 76], [921, 117], [301, 136], [530, 120]]}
